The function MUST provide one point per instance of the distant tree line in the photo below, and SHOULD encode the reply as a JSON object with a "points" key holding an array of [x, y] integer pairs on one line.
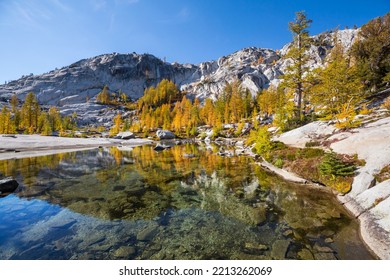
{"points": [[335, 91], [107, 98], [28, 118]]}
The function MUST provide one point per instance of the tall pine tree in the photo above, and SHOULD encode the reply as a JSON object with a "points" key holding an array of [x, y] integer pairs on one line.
{"points": [[295, 78]]}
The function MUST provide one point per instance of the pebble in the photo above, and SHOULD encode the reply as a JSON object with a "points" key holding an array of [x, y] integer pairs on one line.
{"points": [[322, 249], [125, 252], [279, 249], [255, 247], [305, 254], [324, 256], [148, 233], [329, 240]]}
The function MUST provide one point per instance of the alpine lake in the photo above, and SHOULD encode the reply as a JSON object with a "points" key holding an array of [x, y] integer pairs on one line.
{"points": [[185, 202]]}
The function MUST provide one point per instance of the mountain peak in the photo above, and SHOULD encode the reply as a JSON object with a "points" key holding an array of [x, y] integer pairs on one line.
{"points": [[132, 73]]}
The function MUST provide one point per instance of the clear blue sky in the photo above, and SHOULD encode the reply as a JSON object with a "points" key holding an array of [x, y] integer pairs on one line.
{"points": [[40, 35]]}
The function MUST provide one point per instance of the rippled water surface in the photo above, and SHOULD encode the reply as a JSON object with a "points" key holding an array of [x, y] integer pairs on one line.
{"points": [[181, 203]]}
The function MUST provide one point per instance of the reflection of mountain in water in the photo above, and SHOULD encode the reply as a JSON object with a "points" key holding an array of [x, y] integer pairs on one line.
{"points": [[166, 206]]}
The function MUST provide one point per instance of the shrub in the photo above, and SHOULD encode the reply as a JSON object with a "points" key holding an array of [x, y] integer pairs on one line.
{"points": [[333, 166], [311, 153], [291, 157], [364, 110], [342, 186], [279, 163], [312, 144], [277, 145], [240, 127], [262, 140]]}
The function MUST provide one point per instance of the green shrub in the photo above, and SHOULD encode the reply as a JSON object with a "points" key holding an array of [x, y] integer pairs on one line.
{"points": [[277, 145], [311, 152], [291, 157], [262, 140], [333, 166], [279, 163], [312, 144]]}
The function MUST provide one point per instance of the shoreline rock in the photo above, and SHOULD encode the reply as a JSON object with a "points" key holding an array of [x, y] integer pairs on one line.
{"points": [[367, 201], [8, 185], [165, 135]]}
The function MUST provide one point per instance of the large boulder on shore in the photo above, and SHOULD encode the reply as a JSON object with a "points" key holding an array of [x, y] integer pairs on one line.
{"points": [[8, 185], [165, 134], [126, 135]]}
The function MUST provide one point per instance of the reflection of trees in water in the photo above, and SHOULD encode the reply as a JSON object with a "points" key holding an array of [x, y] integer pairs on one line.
{"points": [[216, 196], [29, 168], [174, 190], [99, 183]]}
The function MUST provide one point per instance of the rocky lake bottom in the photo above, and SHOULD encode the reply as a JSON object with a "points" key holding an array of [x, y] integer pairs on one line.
{"points": [[185, 202]]}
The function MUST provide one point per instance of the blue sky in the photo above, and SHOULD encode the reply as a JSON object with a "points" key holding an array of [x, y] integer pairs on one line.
{"points": [[40, 35]]}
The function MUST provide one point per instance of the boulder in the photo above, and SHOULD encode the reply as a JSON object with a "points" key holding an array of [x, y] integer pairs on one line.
{"points": [[165, 134], [8, 185], [126, 135]]}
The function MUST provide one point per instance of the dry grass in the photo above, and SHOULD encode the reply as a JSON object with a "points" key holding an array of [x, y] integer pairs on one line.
{"points": [[384, 174]]}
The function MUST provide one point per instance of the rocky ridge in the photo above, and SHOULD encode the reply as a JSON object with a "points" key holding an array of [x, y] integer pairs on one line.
{"points": [[74, 88]]}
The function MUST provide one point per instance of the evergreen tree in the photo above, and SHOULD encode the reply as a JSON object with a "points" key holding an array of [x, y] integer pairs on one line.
{"points": [[104, 97], [6, 125], [295, 78], [30, 113], [117, 125], [16, 112], [14, 103], [54, 119], [338, 88], [333, 166], [372, 52]]}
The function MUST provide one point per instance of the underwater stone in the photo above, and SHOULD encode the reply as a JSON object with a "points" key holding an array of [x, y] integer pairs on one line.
{"points": [[325, 256], [254, 248], [148, 233], [322, 249], [305, 254], [279, 249], [125, 252]]}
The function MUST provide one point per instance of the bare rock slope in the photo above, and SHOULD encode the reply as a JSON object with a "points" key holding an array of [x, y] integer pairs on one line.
{"points": [[368, 199]]}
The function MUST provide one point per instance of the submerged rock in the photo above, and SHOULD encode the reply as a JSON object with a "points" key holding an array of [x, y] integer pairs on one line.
{"points": [[279, 249], [125, 252], [254, 248], [305, 254], [8, 185], [325, 256], [148, 233]]}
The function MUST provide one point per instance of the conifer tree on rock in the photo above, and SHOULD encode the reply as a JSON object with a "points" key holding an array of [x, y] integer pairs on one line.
{"points": [[295, 78]]}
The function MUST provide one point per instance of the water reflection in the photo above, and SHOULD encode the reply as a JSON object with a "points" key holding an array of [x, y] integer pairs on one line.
{"points": [[140, 204]]}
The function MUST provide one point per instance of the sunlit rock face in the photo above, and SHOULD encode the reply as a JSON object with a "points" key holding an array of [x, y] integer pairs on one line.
{"points": [[74, 87]]}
